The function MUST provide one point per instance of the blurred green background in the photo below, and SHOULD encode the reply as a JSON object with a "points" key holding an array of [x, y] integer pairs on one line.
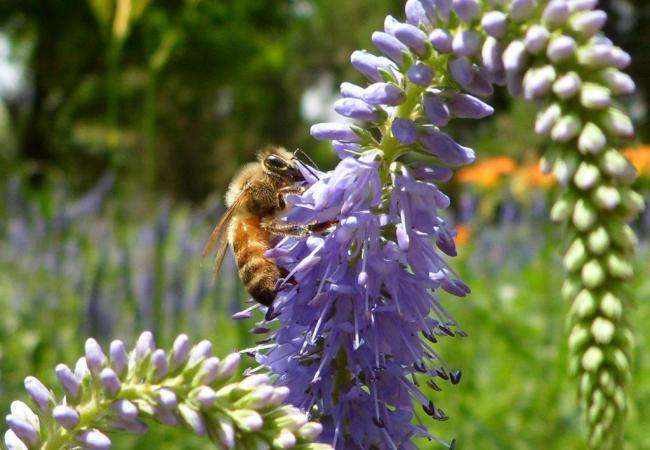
{"points": [[121, 122]]}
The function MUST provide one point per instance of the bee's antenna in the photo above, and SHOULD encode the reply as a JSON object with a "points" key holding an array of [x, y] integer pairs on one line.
{"points": [[308, 159]]}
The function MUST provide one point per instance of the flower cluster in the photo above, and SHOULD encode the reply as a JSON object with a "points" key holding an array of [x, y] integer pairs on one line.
{"points": [[187, 386], [363, 293], [359, 321]]}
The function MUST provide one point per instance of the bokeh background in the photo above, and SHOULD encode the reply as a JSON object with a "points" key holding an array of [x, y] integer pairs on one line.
{"points": [[121, 122]]}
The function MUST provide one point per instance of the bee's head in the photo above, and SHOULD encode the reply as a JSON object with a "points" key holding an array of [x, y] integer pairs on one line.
{"points": [[280, 165]]}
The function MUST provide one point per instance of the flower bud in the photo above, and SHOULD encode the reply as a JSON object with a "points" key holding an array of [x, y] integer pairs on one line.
{"points": [[547, 118], [467, 10], [466, 43], [445, 148], [575, 256], [588, 23], [611, 306], [68, 380], [194, 419], [538, 82], [441, 40], [561, 48], [383, 94], [247, 419], [111, 383], [390, 46], [420, 74], [585, 304], [13, 442], [180, 351], [617, 123], [466, 106], [607, 197], [594, 96], [494, 23], [119, 357], [592, 140], [561, 210], [536, 39], [578, 338], [619, 267], [521, 10], [125, 409], [582, 5], [67, 417], [404, 131], [38, 392], [592, 359], [412, 37], [369, 64], [567, 85], [592, 274], [95, 357], [350, 90], [435, 109], [556, 13], [584, 215], [415, 13], [619, 83], [586, 176], [598, 241], [94, 440], [514, 57], [333, 131], [23, 430], [355, 109], [566, 128], [144, 346]]}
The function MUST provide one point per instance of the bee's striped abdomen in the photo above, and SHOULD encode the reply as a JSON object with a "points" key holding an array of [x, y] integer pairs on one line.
{"points": [[258, 273]]}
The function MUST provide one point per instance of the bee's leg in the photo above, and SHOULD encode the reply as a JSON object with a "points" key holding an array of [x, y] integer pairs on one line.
{"points": [[284, 229], [291, 190]]}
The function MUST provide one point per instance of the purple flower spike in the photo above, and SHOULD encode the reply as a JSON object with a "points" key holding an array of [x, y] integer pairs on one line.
{"points": [[350, 90], [390, 46], [494, 23], [435, 109], [333, 131], [556, 13], [441, 40], [466, 43], [522, 9], [448, 150], [415, 13], [355, 109], [94, 440], [467, 10], [465, 106], [420, 74], [369, 64], [561, 48], [383, 94], [412, 37], [405, 131]]}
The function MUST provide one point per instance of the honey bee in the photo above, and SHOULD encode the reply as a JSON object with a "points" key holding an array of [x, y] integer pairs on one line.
{"points": [[254, 199]]}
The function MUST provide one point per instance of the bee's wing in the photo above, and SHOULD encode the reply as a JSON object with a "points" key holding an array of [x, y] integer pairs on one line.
{"points": [[219, 238]]}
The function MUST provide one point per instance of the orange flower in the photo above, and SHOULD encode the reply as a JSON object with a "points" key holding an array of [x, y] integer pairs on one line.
{"points": [[639, 157], [532, 176], [487, 173], [463, 234]]}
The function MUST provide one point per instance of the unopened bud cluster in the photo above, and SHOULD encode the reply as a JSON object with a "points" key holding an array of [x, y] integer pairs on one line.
{"points": [[184, 387]]}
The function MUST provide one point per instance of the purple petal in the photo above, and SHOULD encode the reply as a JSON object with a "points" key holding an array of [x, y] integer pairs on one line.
{"points": [[333, 131], [435, 109], [441, 40], [412, 37], [350, 90], [448, 150], [466, 106], [390, 46], [405, 131], [420, 74], [383, 94], [355, 109]]}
